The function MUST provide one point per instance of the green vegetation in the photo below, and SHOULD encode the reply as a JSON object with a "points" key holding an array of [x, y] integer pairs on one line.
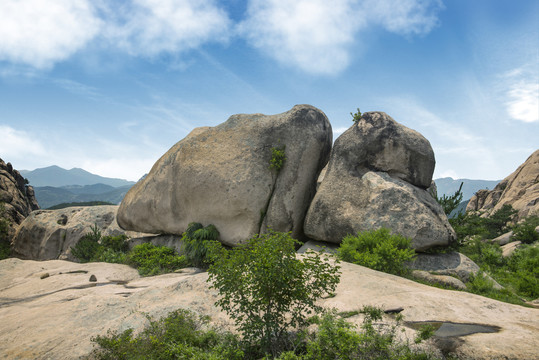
{"points": [[147, 258], [498, 223], [153, 260], [180, 335], [278, 158], [378, 250], [357, 116], [198, 242], [5, 249], [82, 203], [525, 231], [268, 291], [450, 203]]}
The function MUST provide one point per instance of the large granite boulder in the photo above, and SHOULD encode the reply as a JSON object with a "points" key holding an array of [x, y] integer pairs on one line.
{"points": [[377, 176], [18, 197], [520, 190], [50, 234], [222, 176]]}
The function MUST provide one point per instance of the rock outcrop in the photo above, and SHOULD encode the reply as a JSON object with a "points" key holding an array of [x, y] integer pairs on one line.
{"points": [[50, 234], [18, 197], [520, 190], [222, 176], [51, 310], [377, 176]]}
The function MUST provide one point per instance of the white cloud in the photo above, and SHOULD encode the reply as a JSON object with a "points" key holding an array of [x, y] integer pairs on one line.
{"points": [[39, 33], [338, 131], [316, 35], [521, 93], [150, 27], [18, 144]]}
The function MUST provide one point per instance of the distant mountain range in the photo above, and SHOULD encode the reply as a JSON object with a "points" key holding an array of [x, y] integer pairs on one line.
{"points": [[448, 186], [57, 176], [48, 196], [54, 185]]}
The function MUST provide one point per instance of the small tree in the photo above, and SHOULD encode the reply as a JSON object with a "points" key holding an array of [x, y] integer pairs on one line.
{"points": [[267, 290], [357, 116], [450, 203]]}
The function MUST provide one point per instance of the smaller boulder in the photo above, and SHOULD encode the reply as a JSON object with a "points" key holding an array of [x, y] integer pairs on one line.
{"points": [[444, 280]]}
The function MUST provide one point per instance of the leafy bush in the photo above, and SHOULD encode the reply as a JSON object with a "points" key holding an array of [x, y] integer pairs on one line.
{"points": [[278, 158], [93, 247], [498, 223], [267, 290], [523, 271], [337, 339], [180, 335], [468, 224], [88, 246], [378, 250], [198, 241], [525, 231], [485, 254], [154, 260]]}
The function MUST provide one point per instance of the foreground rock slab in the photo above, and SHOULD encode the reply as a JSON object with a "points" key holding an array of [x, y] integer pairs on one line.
{"points": [[54, 316], [222, 176]]}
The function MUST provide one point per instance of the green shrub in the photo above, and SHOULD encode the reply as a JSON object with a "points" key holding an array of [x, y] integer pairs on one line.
{"points": [[337, 339], [198, 241], [525, 231], [357, 116], [115, 243], [523, 271], [154, 260], [498, 223], [278, 158], [87, 248], [378, 250], [180, 335], [267, 290], [486, 255]]}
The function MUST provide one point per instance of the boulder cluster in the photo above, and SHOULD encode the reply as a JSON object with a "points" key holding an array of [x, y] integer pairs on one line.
{"points": [[377, 176], [17, 197]]}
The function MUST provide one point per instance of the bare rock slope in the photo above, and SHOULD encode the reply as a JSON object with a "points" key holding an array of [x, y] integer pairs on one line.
{"points": [[520, 190], [50, 309]]}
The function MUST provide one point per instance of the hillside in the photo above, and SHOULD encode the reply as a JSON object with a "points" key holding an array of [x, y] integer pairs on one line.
{"points": [[56, 176], [48, 196]]}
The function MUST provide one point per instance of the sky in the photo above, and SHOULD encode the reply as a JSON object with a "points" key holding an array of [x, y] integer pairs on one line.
{"points": [[110, 85]]}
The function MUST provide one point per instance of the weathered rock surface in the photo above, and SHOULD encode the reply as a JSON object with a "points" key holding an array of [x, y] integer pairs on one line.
{"points": [[503, 239], [18, 198], [50, 234], [520, 190], [377, 176], [221, 175], [55, 317], [450, 264], [509, 248]]}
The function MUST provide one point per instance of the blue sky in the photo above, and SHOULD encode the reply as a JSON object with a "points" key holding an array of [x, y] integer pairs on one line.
{"points": [[110, 86]]}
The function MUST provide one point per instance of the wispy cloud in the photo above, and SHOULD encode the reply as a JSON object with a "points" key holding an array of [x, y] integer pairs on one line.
{"points": [[18, 143], [316, 35], [522, 92]]}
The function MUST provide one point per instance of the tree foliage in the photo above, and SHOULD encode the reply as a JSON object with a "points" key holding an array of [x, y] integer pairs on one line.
{"points": [[450, 203], [267, 290]]}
